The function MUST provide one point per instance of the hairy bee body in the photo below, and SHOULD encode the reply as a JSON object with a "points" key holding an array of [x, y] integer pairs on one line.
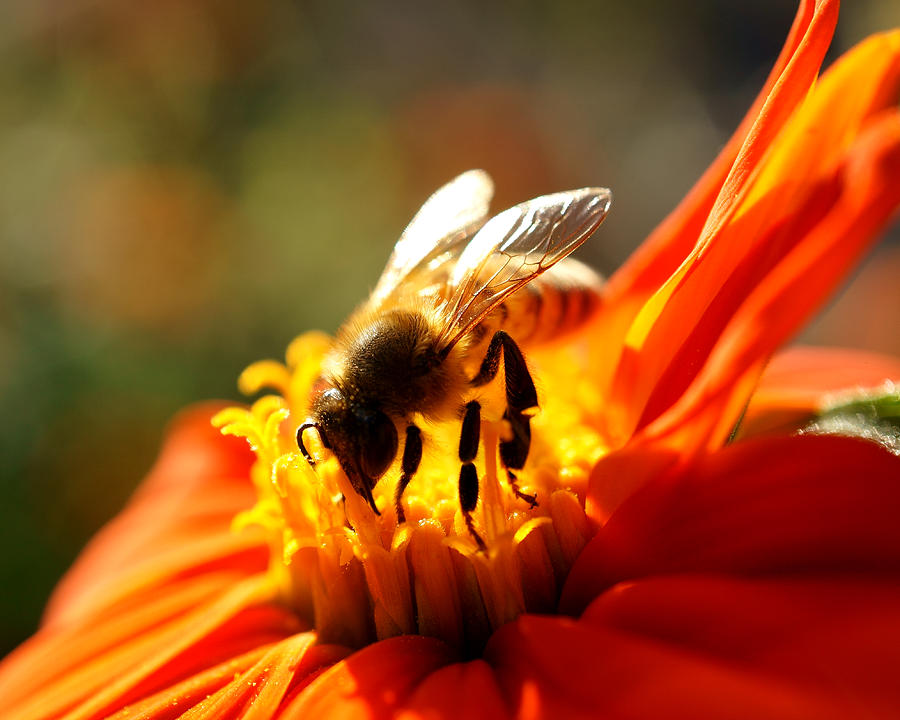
{"points": [[392, 360], [458, 293]]}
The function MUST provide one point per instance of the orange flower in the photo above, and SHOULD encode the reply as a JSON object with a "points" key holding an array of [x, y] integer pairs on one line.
{"points": [[676, 573]]}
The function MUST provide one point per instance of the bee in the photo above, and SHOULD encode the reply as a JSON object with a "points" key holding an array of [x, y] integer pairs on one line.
{"points": [[456, 291]]}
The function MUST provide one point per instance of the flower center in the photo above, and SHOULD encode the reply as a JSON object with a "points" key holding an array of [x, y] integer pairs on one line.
{"points": [[358, 576]]}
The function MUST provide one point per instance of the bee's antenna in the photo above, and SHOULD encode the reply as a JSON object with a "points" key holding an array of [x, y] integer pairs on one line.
{"points": [[305, 426]]}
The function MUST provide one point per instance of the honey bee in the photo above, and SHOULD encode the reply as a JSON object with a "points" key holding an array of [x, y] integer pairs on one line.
{"points": [[455, 292]]}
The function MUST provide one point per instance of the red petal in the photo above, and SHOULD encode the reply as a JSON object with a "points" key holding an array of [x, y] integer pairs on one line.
{"points": [[462, 690], [372, 683], [797, 382], [840, 635], [771, 505], [563, 668]]}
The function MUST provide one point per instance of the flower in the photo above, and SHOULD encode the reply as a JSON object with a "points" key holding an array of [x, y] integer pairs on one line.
{"points": [[691, 553]]}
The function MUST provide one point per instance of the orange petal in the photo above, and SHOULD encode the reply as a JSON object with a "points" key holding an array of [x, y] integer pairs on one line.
{"points": [[662, 253], [788, 504], [372, 683], [562, 668], [177, 523], [257, 693], [838, 635], [40, 661], [170, 703], [671, 242], [462, 690], [792, 189], [164, 592], [793, 290], [250, 686], [154, 656], [797, 382]]}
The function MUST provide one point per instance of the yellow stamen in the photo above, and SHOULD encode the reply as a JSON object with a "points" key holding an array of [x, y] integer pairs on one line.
{"points": [[361, 577]]}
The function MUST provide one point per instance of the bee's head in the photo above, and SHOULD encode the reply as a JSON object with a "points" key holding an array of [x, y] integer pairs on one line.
{"points": [[363, 438]]}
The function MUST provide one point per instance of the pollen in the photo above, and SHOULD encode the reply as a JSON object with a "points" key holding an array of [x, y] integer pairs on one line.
{"points": [[360, 577]]}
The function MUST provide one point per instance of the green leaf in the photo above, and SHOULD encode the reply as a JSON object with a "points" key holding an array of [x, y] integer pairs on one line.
{"points": [[872, 415]]}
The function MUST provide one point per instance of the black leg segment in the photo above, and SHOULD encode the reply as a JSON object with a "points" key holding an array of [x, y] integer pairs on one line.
{"points": [[514, 452], [412, 456], [471, 432], [468, 475], [468, 488]]}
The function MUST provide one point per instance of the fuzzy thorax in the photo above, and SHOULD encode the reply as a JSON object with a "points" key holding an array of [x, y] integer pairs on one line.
{"points": [[359, 577]]}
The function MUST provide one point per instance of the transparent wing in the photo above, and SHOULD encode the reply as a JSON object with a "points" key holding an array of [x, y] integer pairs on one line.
{"points": [[515, 247], [438, 232]]}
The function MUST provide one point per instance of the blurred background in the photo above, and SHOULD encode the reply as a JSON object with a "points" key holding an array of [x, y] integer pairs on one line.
{"points": [[185, 185]]}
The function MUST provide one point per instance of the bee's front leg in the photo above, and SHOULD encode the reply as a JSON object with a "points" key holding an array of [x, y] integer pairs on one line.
{"points": [[412, 456], [521, 397], [468, 475]]}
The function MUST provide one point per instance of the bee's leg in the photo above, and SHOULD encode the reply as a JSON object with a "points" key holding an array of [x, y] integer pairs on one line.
{"points": [[520, 397], [468, 475], [412, 456], [514, 452]]}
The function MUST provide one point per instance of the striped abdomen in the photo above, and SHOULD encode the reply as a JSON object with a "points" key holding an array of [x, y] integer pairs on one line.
{"points": [[560, 300]]}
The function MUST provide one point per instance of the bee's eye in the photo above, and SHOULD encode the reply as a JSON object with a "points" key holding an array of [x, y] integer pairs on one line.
{"points": [[378, 444]]}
